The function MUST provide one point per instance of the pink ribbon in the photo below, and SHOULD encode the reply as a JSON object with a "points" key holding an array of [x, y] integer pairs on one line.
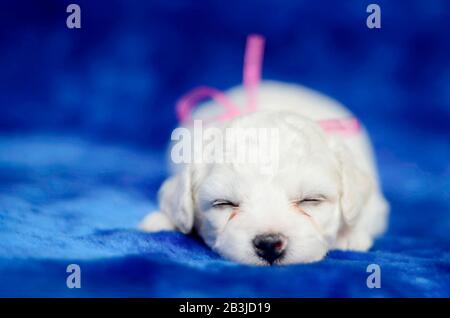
{"points": [[253, 59]]}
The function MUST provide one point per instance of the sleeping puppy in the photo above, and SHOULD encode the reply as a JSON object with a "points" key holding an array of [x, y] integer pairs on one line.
{"points": [[315, 191]]}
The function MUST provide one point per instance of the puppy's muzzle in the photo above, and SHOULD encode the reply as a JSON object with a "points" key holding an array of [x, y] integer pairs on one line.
{"points": [[270, 247]]}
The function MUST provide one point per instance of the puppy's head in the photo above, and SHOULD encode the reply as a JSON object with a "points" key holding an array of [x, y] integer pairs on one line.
{"points": [[290, 214]]}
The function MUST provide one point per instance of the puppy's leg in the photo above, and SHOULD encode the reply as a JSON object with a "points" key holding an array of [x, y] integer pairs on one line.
{"points": [[353, 240], [156, 222]]}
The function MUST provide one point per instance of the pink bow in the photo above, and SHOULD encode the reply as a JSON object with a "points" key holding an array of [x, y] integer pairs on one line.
{"points": [[254, 52]]}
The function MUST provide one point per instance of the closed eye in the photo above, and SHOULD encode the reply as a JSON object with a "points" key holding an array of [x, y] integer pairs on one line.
{"points": [[223, 203], [313, 200]]}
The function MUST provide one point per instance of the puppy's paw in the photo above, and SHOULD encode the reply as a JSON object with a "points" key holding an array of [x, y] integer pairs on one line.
{"points": [[156, 222], [354, 241]]}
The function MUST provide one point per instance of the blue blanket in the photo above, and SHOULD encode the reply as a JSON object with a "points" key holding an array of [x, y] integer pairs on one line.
{"points": [[85, 116]]}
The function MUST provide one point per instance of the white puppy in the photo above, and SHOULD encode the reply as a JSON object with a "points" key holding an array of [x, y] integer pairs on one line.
{"points": [[320, 192]]}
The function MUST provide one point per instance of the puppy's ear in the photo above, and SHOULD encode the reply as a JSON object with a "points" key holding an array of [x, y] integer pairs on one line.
{"points": [[356, 185], [176, 202]]}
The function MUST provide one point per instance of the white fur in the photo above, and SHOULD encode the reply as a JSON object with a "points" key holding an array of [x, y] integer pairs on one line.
{"points": [[311, 162]]}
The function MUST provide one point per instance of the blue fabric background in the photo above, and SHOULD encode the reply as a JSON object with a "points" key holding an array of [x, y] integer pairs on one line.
{"points": [[85, 116]]}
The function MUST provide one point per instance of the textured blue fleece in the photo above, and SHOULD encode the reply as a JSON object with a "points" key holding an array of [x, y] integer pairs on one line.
{"points": [[85, 116], [68, 201]]}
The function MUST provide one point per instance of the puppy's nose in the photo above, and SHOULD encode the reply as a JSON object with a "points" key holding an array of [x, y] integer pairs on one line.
{"points": [[270, 246]]}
